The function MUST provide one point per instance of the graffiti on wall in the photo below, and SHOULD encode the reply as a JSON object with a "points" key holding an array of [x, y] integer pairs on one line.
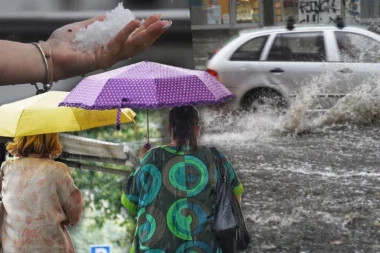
{"points": [[353, 11], [318, 11]]}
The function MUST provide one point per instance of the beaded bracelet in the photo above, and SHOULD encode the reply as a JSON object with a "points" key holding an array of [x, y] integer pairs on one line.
{"points": [[46, 56]]}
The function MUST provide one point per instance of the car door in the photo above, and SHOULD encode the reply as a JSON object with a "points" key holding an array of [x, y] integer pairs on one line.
{"points": [[240, 72], [357, 59], [296, 63]]}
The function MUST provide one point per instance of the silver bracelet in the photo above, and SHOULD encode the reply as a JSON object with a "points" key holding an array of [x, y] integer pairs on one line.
{"points": [[46, 57]]}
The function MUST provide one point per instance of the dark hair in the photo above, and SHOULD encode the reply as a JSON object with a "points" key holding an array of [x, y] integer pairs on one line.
{"points": [[183, 121]]}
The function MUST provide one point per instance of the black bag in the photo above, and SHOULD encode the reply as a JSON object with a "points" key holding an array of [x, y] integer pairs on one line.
{"points": [[229, 224]]}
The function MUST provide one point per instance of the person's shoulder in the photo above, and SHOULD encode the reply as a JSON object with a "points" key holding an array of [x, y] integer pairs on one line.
{"points": [[214, 150], [208, 149], [5, 164], [14, 162], [149, 155], [152, 151], [59, 166]]}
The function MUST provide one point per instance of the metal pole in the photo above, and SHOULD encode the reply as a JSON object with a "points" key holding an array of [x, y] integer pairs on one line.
{"points": [[233, 14], [77, 165]]}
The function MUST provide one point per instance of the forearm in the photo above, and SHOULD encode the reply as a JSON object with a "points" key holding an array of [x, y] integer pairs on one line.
{"points": [[20, 63]]}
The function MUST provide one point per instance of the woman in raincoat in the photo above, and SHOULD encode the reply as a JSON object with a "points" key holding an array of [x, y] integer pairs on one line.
{"points": [[171, 193], [39, 198]]}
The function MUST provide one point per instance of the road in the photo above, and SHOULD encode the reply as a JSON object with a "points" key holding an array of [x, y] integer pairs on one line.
{"points": [[317, 190]]}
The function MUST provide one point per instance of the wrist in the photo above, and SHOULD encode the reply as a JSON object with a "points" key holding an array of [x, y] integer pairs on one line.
{"points": [[45, 55], [58, 69], [38, 71]]}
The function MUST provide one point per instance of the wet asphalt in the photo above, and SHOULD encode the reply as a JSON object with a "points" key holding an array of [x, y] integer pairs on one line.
{"points": [[314, 191]]}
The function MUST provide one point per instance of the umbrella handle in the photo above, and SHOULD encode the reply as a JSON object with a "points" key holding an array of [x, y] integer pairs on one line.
{"points": [[118, 119], [123, 105], [147, 123]]}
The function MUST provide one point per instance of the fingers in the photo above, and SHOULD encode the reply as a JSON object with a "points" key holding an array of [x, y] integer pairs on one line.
{"points": [[124, 46], [150, 33], [149, 21], [144, 39], [117, 42], [134, 27]]}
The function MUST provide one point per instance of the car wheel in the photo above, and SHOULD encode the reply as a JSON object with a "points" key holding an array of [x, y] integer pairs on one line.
{"points": [[264, 100]]}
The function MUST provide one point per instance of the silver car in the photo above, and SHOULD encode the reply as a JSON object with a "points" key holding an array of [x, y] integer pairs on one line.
{"points": [[271, 65]]}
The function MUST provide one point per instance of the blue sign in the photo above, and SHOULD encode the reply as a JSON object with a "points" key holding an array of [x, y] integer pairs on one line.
{"points": [[100, 249]]}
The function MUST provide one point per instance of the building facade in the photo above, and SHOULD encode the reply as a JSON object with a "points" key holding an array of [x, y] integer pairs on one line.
{"points": [[214, 21]]}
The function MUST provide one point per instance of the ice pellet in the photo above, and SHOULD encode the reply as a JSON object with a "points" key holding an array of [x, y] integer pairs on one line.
{"points": [[100, 33]]}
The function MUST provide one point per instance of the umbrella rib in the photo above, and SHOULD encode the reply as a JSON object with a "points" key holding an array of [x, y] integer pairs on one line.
{"points": [[76, 119], [18, 122]]}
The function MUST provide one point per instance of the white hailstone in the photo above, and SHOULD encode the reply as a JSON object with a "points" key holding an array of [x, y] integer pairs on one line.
{"points": [[100, 33]]}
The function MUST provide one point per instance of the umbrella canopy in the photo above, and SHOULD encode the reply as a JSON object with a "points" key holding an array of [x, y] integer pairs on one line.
{"points": [[147, 85], [40, 114]]}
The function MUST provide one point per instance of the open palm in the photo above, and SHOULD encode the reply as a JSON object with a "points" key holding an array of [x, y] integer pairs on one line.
{"points": [[69, 62]]}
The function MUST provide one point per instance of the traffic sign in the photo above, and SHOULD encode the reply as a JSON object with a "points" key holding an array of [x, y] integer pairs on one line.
{"points": [[100, 249]]}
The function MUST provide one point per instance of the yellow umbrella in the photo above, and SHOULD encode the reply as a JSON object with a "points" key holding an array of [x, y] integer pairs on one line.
{"points": [[40, 114]]}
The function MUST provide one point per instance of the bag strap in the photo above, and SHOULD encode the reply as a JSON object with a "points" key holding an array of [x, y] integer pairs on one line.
{"points": [[218, 161]]}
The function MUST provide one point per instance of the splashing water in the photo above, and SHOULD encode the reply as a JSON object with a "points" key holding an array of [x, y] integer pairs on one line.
{"points": [[360, 106]]}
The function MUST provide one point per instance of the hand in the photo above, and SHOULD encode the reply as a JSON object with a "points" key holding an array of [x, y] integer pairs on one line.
{"points": [[67, 222], [144, 149], [68, 62]]}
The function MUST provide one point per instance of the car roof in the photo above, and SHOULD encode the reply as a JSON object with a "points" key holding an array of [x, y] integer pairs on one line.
{"points": [[300, 27]]}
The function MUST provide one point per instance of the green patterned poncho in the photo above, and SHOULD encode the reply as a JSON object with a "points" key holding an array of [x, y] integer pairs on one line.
{"points": [[172, 194]]}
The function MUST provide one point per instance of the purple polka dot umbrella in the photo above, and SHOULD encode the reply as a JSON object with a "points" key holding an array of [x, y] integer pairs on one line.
{"points": [[147, 85]]}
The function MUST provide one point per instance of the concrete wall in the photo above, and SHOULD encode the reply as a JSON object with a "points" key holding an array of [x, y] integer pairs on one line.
{"points": [[205, 41]]}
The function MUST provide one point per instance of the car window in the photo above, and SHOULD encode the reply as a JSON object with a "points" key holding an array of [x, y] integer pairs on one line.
{"points": [[251, 50], [355, 47], [305, 47]]}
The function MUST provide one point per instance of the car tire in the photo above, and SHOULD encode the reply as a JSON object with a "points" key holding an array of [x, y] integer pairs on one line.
{"points": [[264, 100]]}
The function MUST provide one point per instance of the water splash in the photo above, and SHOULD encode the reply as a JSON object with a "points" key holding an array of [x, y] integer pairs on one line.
{"points": [[360, 106]]}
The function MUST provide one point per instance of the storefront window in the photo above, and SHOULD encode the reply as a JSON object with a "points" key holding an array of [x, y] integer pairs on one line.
{"points": [[247, 11], [209, 12], [285, 9]]}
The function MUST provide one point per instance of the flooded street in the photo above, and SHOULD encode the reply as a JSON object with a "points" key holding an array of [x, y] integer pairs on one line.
{"points": [[315, 190]]}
